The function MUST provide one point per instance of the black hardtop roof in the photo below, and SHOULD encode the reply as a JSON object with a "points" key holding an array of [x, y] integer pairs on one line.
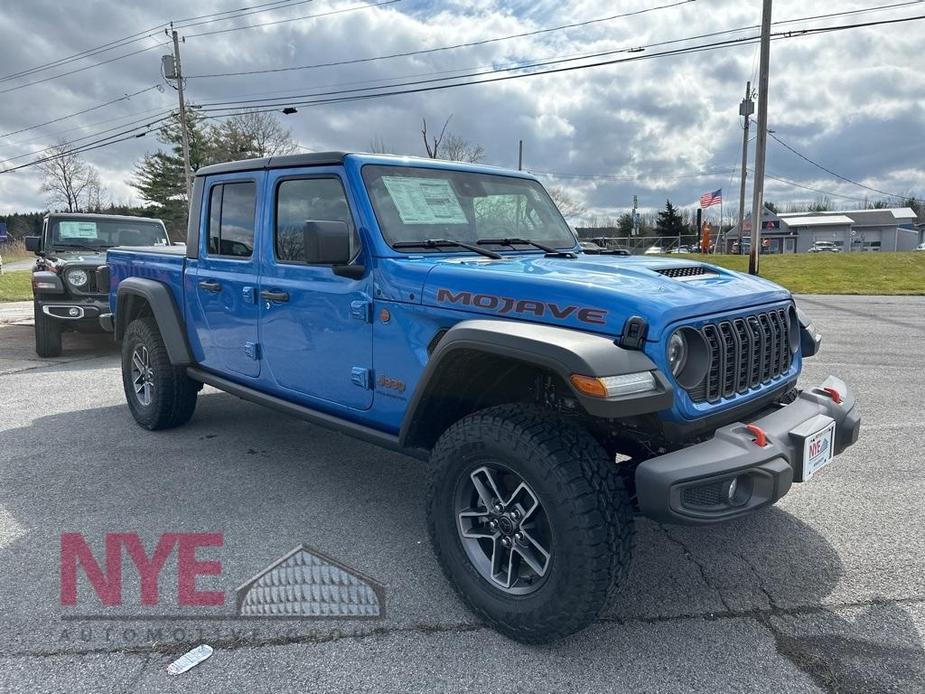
{"points": [[102, 215], [282, 162]]}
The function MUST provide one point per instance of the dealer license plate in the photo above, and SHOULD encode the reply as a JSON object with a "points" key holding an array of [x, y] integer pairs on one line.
{"points": [[818, 448]]}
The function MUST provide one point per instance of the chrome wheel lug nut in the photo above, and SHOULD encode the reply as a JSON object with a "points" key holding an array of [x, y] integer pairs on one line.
{"points": [[499, 508], [506, 541], [493, 524], [519, 537]]}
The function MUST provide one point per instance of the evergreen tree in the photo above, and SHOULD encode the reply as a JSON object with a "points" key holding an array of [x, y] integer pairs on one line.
{"points": [[669, 222]]}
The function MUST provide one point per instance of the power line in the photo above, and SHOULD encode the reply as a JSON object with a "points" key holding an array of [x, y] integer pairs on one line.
{"points": [[147, 33], [124, 97], [438, 49], [141, 122], [833, 173], [296, 19], [563, 27], [680, 51], [81, 69], [339, 96], [185, 24], [97, 144], [815, 190]]}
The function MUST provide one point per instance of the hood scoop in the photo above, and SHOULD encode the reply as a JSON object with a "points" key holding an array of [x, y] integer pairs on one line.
{"points": [[688, 273]]}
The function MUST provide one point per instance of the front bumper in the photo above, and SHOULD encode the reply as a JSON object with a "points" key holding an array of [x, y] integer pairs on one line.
{"points": [[690, 486], [82, 314]]}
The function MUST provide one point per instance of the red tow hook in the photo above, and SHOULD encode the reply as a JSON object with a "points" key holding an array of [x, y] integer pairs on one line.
{"points": [[832, 393], [761, 439]]}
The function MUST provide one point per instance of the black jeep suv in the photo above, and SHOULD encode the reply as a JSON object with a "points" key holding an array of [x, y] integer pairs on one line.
{"points": [[69, 250]]}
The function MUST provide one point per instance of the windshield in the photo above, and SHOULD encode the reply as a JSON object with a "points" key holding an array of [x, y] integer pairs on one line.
{"points": [[414, 204], [102, 233]]}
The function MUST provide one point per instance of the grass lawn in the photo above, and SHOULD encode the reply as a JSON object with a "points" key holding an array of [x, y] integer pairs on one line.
{"points": [[837, 273], [16, 286]]}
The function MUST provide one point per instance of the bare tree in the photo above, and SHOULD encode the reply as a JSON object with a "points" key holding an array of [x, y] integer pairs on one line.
{"points": [[450, 146], [456, 148], [567, 203], [250, 134], [68, 180], [433, 148], [378, 146]]}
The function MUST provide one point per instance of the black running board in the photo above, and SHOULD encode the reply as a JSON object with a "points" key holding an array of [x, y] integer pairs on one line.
{"points": [[358, 431]]}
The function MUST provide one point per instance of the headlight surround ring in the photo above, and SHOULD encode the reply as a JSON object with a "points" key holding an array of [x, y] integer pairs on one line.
{"points": [[78, 278], [696, 362], [677, 352]]}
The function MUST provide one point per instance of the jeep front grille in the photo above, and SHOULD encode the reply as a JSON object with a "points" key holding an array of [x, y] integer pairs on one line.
{"points": [[744, 353]]}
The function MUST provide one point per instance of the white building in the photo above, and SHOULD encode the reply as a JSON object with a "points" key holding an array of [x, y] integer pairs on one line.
{"points": [[891, 229]]}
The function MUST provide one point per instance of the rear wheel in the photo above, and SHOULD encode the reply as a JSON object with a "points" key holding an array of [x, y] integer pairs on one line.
{"points": [[530, 521], [47, 335], [159, 394]]}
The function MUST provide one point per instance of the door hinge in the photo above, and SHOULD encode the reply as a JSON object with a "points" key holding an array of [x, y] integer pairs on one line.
{"points": [[252, 349], [362, 310], [361, 377]]}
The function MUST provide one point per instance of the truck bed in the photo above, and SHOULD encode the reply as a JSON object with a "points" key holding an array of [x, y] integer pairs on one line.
{"points": [[162, 263]]}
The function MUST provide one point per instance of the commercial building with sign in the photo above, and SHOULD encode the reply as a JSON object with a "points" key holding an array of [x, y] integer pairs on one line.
{"points": [[891, 229]]}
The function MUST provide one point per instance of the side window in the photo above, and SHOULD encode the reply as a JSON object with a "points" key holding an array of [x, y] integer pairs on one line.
{"points": [[303, 199], [232, 207]]}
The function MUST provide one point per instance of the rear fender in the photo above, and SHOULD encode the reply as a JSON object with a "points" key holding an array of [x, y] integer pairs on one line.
{"points": [[134, 296]]}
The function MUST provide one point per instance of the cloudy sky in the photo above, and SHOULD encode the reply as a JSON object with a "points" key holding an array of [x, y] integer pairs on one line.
{"points": [[658, 128]]}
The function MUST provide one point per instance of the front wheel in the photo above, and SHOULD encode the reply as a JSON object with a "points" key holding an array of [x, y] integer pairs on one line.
{"points": [[47, 335], [159, 394], [529, 520]]}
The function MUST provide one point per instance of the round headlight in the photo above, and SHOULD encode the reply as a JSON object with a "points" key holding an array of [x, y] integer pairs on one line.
{"points": [[677, 352], [77, 277]]}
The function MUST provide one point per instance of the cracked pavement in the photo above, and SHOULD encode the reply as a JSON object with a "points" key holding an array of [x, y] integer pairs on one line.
{"points": [[824, 592]]}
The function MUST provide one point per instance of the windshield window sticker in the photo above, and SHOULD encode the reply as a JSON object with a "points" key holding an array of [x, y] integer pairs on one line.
{"points": [[425, 200], [77, 230]]}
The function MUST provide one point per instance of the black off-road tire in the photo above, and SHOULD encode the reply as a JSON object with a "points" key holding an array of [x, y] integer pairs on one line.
{"points": [[588, 508], [47, 335], [172, 396]]}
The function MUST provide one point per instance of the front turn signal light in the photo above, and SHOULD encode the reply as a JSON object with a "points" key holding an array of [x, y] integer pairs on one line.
{"points": [[613, 386]]}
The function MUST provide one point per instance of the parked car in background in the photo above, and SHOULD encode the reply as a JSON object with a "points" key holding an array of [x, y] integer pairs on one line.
{"points": [[70, 248], [654, 250], [592, 248], [920, 247], [824, 247]]}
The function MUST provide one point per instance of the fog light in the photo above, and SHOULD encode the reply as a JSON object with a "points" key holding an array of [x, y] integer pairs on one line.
{"points": [[74, 312], [731, 490]]}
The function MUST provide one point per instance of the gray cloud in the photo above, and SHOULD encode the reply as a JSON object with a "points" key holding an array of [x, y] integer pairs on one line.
{"points": [[849, 100]]}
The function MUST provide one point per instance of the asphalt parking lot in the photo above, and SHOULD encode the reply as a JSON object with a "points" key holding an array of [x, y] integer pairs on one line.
{"points": [[824, 592]]}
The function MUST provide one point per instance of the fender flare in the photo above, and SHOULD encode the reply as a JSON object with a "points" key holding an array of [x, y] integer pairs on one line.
{"points": [[163, 307], [562, 351]]}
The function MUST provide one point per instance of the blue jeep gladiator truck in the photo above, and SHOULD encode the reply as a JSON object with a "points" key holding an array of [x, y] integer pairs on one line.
{"points": [[447, 311]]}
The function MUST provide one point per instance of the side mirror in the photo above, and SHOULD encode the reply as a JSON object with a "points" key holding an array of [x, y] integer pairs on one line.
{"points": [[326, 243], [33, 243]]}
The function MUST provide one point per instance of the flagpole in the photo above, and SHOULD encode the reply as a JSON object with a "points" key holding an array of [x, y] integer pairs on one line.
{"points": [[720, 235]]}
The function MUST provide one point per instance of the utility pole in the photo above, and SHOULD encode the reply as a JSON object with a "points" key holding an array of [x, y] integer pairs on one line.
{"points": [[178, 74], [635, 215], [520, 156], [746, 109], [761, 147]]}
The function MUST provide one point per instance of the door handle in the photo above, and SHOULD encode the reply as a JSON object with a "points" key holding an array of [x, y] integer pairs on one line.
{"points": [[210, 286], [274, 296]]}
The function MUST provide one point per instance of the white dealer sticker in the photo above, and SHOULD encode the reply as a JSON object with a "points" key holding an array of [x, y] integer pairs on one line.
{"points": [[77, 230], [424, 200]]}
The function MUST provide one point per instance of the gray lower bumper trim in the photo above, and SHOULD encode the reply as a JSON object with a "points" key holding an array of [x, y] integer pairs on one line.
{"points": [[681, 487]]}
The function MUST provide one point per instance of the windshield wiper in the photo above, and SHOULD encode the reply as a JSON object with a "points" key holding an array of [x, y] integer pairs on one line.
{"points": [[441, 243], [82, 245], [526, 242]]}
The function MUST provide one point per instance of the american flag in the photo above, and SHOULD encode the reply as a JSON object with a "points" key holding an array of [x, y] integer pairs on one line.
{"points": [[710, 199]]}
